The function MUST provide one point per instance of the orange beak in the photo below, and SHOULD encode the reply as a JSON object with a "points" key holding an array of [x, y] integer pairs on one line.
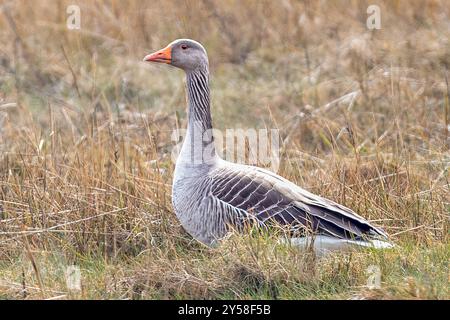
{"points": [[161, 56]]}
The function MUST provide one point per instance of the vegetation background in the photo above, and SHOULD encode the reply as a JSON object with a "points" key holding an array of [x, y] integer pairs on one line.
{"points": [[85, 165]]}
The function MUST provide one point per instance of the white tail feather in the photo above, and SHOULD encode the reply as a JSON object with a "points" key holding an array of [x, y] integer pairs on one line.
{"points": [[324, 244]]}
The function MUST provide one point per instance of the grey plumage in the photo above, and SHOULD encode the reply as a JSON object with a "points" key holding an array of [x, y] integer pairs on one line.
{"points": [[211, 195]]}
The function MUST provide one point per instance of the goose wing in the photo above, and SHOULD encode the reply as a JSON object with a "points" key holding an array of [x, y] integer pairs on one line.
{"points": [[270, 198]]}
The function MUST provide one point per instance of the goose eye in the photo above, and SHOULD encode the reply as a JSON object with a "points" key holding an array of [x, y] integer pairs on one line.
{"points": [[184, 46]]}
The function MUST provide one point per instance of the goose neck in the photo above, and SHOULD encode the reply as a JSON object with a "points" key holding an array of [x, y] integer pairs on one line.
{"points": [[198, 146], [198, 97]]}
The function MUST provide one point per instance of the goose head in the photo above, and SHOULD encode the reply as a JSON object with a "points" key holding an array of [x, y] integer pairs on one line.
{"points": [[185, 54]]}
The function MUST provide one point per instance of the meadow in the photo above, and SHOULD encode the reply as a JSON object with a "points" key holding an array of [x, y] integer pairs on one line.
{"points": [[85, 145]]}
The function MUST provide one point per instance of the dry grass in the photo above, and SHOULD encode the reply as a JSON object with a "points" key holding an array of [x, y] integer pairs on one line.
{"points": [[85, 169]]}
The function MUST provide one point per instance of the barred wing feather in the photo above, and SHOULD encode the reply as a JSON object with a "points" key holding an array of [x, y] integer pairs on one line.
{"points": [[271, 198]]}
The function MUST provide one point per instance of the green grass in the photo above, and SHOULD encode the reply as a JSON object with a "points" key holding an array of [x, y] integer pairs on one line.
{"points": [[243, 268]]}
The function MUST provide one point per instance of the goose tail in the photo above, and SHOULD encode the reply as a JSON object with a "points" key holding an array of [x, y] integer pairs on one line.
{"points": [[325, 244]]}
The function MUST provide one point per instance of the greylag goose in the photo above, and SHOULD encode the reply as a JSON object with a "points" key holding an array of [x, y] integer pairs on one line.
{"points": [[211, 195]]}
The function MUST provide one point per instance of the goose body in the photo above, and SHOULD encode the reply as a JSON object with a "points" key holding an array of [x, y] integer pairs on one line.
{"points": [[211, 195]]}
